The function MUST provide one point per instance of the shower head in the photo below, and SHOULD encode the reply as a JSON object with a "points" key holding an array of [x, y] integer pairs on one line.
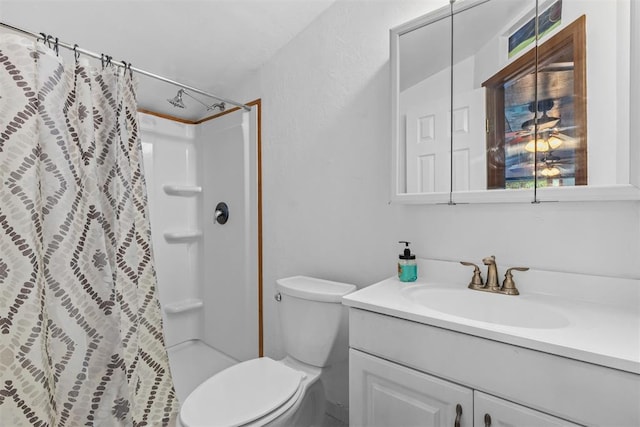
{"points": [[177, 100]]}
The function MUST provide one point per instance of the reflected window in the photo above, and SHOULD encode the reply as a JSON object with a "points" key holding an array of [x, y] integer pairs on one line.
{"points": [[541, 134]]}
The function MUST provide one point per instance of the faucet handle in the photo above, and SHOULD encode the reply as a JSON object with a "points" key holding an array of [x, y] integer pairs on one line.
{"points": [[508, 285], [476, 280]]}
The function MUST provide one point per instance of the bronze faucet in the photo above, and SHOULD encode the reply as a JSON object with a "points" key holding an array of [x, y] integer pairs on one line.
{"points": [[508, 285], [492, 274]]}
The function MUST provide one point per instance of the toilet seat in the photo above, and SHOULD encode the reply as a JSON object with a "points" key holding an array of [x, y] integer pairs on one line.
{"points": [[243, 394]]}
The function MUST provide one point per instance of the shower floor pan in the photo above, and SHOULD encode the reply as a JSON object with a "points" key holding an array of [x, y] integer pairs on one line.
{"points": [[192, 362]]}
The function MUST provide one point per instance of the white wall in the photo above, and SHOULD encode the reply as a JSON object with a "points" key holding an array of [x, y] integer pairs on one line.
{"points": [[326, 170], [325, 148]]}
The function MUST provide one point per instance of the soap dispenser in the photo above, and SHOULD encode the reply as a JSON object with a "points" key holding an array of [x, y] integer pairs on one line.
{"points": [[407, 267]]}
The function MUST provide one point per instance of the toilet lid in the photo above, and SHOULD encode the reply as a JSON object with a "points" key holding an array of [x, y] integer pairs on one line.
{"points": [[241, 394]]}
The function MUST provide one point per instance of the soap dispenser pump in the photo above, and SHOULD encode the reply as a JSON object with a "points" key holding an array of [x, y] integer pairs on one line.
{"points": [[407, 267]]}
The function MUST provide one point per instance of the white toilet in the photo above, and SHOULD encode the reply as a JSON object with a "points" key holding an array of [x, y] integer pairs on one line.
{"points": [[265, 392]]}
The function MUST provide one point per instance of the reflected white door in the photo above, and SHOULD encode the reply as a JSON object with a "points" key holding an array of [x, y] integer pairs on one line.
{"points": [[469, 153], [428, 147], [428, 143]]}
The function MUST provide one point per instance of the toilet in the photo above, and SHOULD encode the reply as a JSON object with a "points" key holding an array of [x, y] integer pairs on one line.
{"points": [[287, 392]]}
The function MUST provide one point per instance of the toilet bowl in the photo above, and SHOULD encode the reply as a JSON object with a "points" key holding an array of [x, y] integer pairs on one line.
{"points": [[287, 392], [258, 392]]}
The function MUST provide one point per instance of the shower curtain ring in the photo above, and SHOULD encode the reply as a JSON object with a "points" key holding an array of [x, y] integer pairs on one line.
{"points": [[127, 66], [102, 60], [76, 54], [56, 47]]}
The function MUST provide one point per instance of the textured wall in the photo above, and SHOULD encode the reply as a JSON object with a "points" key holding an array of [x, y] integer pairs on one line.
{"points": [[326, 134]]}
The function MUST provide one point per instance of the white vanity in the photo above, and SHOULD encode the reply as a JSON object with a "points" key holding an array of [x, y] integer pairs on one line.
{"points": [[566, 351]]}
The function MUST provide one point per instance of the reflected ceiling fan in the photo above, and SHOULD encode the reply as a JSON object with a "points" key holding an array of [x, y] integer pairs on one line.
{"points": [[552, 166], [550, 136], [548, 166], [549, 142], [545, 121]]}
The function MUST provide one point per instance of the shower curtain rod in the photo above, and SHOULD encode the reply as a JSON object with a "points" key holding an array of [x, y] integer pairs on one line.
{"points": [[76, 48]]}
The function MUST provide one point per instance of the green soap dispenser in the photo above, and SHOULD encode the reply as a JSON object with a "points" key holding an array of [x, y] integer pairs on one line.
{"points": [[407, 267]]}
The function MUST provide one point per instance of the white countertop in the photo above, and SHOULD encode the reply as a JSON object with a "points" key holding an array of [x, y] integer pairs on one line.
{"points": [[596, 329]]}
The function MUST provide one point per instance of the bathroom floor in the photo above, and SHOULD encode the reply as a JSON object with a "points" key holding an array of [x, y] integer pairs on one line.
{"points": [[192, 362], [330, 421]]}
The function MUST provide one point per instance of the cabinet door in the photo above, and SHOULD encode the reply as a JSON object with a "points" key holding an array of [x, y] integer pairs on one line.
{"points": [[384, 394], [491, 411]]}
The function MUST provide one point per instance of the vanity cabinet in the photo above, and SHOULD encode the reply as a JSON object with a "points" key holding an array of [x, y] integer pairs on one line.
{"points": [[407, 373], [384, 393]]}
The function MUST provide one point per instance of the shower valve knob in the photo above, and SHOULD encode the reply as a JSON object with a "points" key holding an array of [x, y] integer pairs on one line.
{"points": [[221, 214]]}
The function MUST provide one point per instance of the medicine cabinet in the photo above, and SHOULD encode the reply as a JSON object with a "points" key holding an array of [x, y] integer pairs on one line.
{"points": [[527, 101]]}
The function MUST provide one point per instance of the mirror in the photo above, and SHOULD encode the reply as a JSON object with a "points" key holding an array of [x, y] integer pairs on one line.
{"points": [[517, 117], [424, 103]]}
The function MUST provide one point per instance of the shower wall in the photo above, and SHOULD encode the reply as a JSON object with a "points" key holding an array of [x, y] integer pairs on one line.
{"points": [[169, 150], [228, 173], [207, 272]]}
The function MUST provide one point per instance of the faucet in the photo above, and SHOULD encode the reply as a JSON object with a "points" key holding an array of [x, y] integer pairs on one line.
{"points": [[508, 285], [492, 274]]}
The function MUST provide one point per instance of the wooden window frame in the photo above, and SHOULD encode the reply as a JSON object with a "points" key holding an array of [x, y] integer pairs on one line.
{"points": [[574, 36]]}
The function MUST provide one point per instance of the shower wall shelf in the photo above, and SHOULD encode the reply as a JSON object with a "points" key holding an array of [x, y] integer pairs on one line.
{"points": [[182, 190], [183, 306], [185, 236]]}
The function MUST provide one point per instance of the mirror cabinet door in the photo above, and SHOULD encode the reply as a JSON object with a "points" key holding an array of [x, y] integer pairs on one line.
{"points": [[424, 82], [488, 142], [538, 103], [583, 109]]}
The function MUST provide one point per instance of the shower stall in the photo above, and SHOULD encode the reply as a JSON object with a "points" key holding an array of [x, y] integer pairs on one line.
{"points": [[90, 303], [207, 268]]}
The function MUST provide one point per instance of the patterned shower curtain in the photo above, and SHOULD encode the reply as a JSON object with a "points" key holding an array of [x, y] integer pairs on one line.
{"points": [[81, 339]]}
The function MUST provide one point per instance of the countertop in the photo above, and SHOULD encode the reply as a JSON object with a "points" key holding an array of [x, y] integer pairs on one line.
{"points": [[597, 330]]}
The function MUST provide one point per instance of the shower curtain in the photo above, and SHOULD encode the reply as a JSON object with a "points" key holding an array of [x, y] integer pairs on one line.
{"points": [[81, 340]]}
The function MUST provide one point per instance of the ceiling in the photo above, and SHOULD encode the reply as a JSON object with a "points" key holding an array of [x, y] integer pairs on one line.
{"points": [[213, 45]]}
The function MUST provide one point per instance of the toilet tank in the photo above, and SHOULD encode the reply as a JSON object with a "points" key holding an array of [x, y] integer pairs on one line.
{"points": [[313, 320]]}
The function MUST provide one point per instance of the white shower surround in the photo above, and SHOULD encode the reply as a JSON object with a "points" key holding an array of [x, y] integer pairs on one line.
{"points": [[207, 272]]}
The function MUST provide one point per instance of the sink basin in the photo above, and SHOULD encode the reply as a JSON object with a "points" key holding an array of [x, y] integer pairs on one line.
{"points": [[498, 309]]}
